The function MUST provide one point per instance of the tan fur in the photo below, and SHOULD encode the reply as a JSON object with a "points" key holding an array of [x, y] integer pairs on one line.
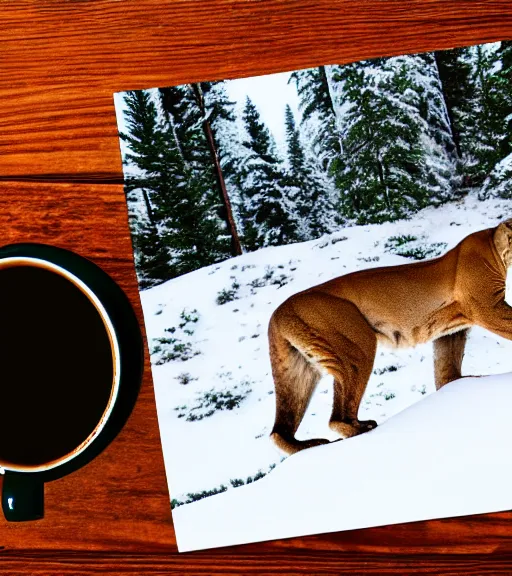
{"points": [[335, 327]]}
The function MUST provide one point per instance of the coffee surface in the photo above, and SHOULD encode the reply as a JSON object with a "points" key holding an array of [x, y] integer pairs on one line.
{"points": [[56, 366]]}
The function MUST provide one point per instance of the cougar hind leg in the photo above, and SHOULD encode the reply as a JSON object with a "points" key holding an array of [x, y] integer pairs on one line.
{"points": [[304, 334], [350, 361], [448, 355], [295, 380]]}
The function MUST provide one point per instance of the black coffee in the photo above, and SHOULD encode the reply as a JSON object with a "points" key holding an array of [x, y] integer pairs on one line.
{"points": [[56, 366]]}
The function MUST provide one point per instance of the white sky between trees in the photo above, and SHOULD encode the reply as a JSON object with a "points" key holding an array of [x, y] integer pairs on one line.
{"points": [[270, 94]]}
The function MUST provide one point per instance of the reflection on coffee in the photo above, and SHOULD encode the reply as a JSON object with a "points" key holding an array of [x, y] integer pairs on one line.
{"points": [[56, 366]]}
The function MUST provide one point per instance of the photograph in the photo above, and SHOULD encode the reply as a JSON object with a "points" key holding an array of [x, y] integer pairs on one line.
{"points": [[322, 260]]}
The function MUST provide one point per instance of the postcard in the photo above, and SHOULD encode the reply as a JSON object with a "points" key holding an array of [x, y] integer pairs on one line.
{"points": [[322, 260]]}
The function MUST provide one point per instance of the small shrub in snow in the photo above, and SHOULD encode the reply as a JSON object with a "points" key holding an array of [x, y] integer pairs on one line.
{"points": [[236, 482], [422, 252], [340, 239], [211, 401], [257, 283], [228, 294], [176, 347], [395, 242], [195, 496], [169, 349], [370, 259], [188, 317], [185, 378], [380, 371], [389, 395], [270, 278], [280, 280], [403, 246]]}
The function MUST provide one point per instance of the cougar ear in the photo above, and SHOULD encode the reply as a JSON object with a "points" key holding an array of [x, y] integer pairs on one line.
{"points": [[503, 241]]}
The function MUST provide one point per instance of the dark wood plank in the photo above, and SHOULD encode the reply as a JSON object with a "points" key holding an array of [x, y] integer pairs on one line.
{"points": [[60, 173], [295, 562], [120, 500]]}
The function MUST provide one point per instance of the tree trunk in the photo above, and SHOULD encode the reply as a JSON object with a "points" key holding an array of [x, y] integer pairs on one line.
{"points": [[236, 247], [327, 87], [149, 209]]}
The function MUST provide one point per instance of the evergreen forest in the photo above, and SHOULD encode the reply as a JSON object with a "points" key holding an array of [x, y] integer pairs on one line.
{"points": [[376, 141]]}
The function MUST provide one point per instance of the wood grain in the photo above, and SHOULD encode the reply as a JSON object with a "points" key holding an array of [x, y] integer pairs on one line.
{"points": [[60, 173]]}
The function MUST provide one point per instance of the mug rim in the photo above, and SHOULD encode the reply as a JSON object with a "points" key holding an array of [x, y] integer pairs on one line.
{"points": [[39, 262]]}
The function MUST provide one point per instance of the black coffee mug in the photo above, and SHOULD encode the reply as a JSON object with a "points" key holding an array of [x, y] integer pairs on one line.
{"points": [[71, 361]]}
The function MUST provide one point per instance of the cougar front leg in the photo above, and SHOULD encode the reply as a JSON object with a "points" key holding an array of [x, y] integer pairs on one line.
{"points": [[448, 355], [497, 319]]}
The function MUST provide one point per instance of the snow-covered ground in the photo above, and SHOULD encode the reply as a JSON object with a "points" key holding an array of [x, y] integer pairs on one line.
{"points": [[445, 456], [227, 350]]}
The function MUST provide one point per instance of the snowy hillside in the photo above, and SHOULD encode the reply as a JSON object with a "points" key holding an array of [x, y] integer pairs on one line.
{"points": [[207, 329], [433, 460]]}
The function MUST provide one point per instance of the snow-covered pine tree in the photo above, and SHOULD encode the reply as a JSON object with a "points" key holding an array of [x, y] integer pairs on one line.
{"points": [[152, 259], [455, 73], [176, 187], [504, 86], [214, 109], [486, 139], [381, 171], [398, 153], [499, 182], [310, 189], [441, 158], [318, 113], [268, 209]]}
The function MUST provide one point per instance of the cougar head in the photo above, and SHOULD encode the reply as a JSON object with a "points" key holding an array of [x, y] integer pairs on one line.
{"points": [[503, 241]]}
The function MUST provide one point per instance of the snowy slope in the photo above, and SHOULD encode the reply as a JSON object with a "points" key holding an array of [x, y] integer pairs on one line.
{"points": [[445, 456], [227, 347]]}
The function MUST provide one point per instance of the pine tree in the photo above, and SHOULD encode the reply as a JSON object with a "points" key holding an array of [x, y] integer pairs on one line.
{"points": [[267, 206], [382, 167], [176, 185], [499, 182], [318, 111], [441, 158], [486, 139], [214, 109], [310, 191], [152, 258], [504, 87], [455, 73]]}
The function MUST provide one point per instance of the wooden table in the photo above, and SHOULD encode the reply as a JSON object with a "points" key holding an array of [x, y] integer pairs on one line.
{"points": [[60, 166]]}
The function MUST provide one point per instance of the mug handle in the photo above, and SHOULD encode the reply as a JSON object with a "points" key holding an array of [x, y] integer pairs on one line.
{"points": [[22, 497]]}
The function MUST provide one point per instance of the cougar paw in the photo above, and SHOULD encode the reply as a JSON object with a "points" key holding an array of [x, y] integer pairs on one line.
{"points": [[367, 425], [352, 427]]}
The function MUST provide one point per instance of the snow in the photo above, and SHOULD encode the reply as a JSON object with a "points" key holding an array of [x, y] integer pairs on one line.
{"points": [[445, 456], [233, 444]]}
